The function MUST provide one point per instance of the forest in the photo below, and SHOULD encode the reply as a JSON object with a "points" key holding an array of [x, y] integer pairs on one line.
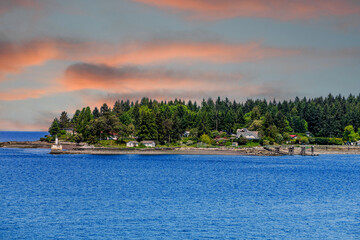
{"points": [[328, 120]]}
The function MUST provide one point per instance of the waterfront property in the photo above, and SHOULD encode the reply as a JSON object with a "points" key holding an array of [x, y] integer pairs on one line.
{"points": [[148, 143], [69, 131], [250, 135], [132, 144]]}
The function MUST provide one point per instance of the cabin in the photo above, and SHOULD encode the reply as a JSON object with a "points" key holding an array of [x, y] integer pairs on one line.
{"points": [[132, 144], [113, 136], [293, 136], [69, 131], [186, 134], [148, 143], [249, 135]]}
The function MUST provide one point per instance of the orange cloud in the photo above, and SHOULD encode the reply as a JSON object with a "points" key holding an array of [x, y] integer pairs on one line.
{"points": [[14, 57], [164, 51], [276, 9], [21, 94]]}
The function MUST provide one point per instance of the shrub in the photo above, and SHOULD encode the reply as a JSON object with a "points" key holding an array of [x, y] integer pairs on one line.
{"points": [[205, 139], [321, 140], [242, 141], [267, 141], [336, 141], [279, 138], [303, 140]]}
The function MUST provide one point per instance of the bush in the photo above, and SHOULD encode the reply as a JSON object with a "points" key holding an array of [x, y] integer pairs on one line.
{"points": [[321, 140], [252, 144], [205, 139], [78, 138], [336, 141], [242, 141], [92, 140], [304, 140], [279, 138], [47, 138], [267, 141]]}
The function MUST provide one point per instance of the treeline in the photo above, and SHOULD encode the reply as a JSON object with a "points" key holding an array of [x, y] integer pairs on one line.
{"points": [[166, 121]]}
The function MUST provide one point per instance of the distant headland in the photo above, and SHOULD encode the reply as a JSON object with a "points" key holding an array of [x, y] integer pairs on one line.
{"points": [[256, 127]]}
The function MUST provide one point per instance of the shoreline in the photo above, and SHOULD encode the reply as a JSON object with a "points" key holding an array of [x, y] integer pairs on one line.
{"points": [[73, 148]]}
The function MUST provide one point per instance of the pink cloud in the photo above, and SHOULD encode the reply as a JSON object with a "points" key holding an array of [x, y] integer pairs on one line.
{"points": [[16, 56], [164, 51]]}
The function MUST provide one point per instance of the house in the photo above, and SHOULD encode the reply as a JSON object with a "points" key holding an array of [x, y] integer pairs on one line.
{"points": [[69, 131], [234, 144], [250, 135], [293, 136], [113, 136], [186, 133], [132, 144], [148, 143]]}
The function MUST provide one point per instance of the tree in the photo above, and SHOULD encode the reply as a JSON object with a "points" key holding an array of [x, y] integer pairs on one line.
{"points": [[349, 134], [96, 112], [104, 109], [54, 128], [64, 120], [205, 139]]}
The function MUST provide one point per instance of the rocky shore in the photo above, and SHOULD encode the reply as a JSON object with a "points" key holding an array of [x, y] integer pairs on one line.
{"points": [[258, 151], [73, 148]]}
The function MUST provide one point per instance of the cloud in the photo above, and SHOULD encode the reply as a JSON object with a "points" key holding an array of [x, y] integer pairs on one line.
{"points": [[164, 50], [135, 78], [16, 125], [24, 93], [9, 5], [102, 83], [276, 9], [16, 56]]}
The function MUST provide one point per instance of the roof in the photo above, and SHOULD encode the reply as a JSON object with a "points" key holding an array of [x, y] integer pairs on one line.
{"points": [[293, 135], [242, 130], [133, 142], [248, 134], [147, 141]]}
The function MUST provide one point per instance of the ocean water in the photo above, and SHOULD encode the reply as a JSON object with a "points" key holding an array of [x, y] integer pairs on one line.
{"points": [[47, 196], [21, 136]]}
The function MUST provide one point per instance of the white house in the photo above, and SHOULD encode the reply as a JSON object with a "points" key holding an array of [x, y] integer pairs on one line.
{"points": [[186, 133], [148, 143], [69, 131], [132, 144], [250, 135]]}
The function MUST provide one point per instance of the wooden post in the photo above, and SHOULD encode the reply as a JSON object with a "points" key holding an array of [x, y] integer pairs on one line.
{"points": [[291, 150], [302, 151], [277, 149]]}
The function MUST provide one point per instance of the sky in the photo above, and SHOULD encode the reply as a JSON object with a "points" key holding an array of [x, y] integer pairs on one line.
{"points": [[62, 55]]}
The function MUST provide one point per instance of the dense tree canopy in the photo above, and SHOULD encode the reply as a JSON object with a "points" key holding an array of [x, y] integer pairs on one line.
{"points": [[167, 121]]}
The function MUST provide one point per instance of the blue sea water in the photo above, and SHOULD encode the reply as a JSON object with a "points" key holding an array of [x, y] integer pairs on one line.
{"points": [[21, 136], [47, 196]]}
